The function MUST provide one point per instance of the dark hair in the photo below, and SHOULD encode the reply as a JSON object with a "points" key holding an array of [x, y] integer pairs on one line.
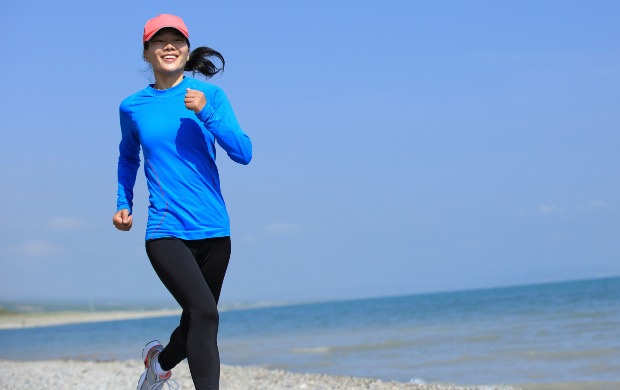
{"points": [[200, 61]]}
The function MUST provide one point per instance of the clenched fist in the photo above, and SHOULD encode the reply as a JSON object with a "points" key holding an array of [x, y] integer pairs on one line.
{"points": [[195, 100], [122, 220]]}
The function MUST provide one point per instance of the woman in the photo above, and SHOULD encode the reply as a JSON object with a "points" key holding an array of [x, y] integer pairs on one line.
{"points": [[176, 121]]}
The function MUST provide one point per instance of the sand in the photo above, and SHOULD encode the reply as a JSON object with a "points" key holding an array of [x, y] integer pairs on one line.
{"points": [[112, 375], [30, 320]]}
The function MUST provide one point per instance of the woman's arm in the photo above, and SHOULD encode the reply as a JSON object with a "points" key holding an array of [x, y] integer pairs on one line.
{"points": [[128, 164], [219, 118]]}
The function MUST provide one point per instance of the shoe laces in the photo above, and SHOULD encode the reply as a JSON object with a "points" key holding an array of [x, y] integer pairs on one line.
{"points": [[161, 382]]}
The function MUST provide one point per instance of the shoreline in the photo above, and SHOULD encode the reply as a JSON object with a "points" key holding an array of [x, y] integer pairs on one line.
{"points": [[80, 374], [39, 319], [124, 374], [108, 374]]}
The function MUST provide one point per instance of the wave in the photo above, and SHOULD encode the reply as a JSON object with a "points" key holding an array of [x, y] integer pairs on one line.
{"points": [[345, 349], [314, 350], [571, 355]]}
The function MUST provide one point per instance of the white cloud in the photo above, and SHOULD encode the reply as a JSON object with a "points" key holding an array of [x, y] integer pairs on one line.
{"points": [[64, 223], [249, 239], [554, 209], [38, 248], [596, 203], [548, 209], [282, 228]]}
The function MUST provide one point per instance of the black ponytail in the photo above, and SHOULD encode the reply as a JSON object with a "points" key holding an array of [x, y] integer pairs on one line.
{"points": [[200, 62]]}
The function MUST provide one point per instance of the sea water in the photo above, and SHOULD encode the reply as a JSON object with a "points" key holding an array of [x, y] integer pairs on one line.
{"points": [[561, 332]]}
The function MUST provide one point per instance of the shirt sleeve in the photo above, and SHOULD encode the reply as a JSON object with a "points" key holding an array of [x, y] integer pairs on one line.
{"points": [[128, 160], [219, 118]]}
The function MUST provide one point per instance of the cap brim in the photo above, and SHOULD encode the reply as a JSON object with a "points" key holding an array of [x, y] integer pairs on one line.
{"points": [[148, 37]]}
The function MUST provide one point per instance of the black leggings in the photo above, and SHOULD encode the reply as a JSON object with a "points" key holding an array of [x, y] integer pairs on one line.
{"points": [[193, 271]]}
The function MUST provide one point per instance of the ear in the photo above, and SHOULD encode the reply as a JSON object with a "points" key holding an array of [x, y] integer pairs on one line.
{"points": [[145, 56]]}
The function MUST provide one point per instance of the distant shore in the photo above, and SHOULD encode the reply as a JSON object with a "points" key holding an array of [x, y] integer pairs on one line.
{"points": [[31, 320]]}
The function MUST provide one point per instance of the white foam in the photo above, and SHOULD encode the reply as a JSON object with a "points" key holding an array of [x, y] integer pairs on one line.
{"points": [[311, 350], [417, 381]]}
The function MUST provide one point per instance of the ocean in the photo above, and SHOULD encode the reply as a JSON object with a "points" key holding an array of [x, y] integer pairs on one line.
{"points": [[548, 333]]}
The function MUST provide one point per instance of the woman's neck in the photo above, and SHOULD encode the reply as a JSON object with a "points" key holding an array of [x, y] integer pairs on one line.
{"points": [[167, 81]]}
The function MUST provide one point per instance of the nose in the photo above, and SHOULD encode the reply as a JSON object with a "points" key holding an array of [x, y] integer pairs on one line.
{"points": [[169, 46]]}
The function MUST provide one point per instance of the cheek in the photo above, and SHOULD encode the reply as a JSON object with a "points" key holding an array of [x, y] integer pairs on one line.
{"points": [[148, 55]]}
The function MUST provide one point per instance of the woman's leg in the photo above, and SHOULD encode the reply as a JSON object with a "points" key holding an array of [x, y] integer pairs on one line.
{"points": [[193, 272]]}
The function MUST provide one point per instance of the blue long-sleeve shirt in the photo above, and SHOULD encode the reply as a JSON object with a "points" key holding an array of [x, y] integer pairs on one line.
{"points": [[178, 147]]}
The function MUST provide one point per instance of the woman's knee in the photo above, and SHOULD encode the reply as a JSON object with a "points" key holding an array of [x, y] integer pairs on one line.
{"points": [[204, 312]]}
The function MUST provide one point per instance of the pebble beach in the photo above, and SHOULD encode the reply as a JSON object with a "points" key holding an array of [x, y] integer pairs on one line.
{"points": [[111, 375]]}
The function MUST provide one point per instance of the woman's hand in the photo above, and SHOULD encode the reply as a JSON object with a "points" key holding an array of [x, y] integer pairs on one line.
{"points": [[122, 220], [195, 100]]}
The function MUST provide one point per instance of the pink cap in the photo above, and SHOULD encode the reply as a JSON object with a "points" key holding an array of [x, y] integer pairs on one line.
{"points": [[162, 21]]}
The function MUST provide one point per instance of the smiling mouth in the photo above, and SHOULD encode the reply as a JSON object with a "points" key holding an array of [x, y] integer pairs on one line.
{"points": [[170, 57]]}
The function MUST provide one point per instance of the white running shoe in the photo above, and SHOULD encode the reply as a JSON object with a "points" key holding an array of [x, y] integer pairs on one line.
{"points": [[149, 379]]}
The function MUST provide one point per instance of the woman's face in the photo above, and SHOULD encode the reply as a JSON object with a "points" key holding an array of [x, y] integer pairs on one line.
{"points": [[167, 52]]}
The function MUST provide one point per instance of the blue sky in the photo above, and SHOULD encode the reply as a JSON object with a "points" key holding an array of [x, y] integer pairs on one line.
{"points": [[399, 146]]}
